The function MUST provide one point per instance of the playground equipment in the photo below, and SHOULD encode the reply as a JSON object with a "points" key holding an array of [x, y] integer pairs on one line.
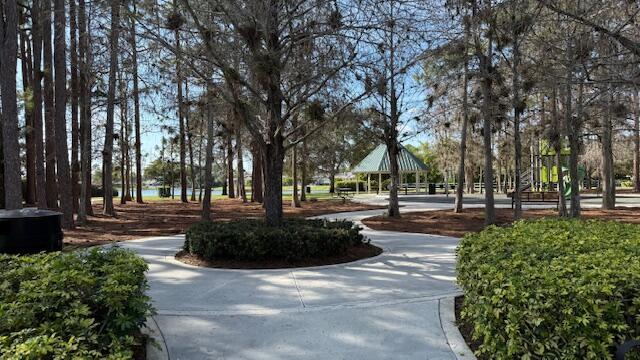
{"points": [[545, 175]]}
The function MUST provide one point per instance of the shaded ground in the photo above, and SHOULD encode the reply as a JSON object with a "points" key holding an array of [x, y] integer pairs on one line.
{"points": [[360, 252], [166, 217], [447, 223]]}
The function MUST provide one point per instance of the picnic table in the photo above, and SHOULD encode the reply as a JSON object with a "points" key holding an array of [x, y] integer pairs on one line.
{"points": [[344, 193]]}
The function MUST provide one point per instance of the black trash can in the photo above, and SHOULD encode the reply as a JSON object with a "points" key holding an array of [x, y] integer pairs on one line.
{"points": [[308, 189], [30, 231], [432, 189]]}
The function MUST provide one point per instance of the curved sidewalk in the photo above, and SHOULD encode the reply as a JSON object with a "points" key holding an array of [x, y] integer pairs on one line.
{"points": [[386, 307]]}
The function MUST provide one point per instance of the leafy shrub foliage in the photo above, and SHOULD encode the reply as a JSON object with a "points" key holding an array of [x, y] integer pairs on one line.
{"points": [[251, 239], [80, 305], [552, 289], [351, 185]]}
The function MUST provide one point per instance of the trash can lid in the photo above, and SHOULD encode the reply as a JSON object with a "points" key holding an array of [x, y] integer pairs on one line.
{"points": [[27, 212]]}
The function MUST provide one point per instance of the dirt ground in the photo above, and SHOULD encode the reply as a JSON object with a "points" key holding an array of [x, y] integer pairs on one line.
{"points": [[445, 222], [166, 217]]}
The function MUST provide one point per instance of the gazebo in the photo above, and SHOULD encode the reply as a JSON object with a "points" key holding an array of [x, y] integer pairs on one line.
{"points": [[377, 163]]}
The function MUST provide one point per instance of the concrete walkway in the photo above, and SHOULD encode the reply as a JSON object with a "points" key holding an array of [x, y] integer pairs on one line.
{"points": [[385, 307]]}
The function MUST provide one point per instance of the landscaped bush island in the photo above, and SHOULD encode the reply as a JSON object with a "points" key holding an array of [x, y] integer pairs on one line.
{"points": [[295, 242], [78, 305], [552, 289]]}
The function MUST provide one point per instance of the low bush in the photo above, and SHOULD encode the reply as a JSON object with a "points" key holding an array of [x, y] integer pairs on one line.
{"points": [[351, 185], [552, 289], [251, 239], [626, 183], [98, 191], [80, 305]]}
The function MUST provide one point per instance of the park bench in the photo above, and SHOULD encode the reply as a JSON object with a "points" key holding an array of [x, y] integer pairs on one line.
{"points": [[537, 197]]}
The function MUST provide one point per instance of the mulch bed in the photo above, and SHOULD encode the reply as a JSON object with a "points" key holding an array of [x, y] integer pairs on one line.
{"points": [[167, 217], [140, 350], [448, 223], [359, 252]]}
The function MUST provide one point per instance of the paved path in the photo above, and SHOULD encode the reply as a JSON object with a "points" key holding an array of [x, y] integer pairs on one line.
{"points": [[385, 307]]}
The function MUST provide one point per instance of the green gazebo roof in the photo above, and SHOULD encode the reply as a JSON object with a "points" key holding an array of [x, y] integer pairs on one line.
{"points": [[377, 162]]}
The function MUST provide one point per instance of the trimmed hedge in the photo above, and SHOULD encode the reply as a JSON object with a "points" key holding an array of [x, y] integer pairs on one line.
{"points": [[351, 184], [98, 191], [251, 239], [79, 305], [552, 289]]}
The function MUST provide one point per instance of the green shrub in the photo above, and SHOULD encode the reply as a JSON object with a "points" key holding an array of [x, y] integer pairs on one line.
{"points": [[386, 184], [626, 183], [351, 185], [79, 305], [251, 239], [552, 289], [98, 191]]}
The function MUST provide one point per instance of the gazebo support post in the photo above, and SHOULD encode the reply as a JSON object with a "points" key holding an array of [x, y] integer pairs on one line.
{"points": [[357, 185], [379, 183], [368, 183], [403, 181], [417, 182]]}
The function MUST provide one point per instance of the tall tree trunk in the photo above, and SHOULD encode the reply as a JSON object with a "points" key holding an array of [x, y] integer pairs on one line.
{"points": [[130, 193], [391, 131], [36, 31], [573, 131], [518, 107], [62, 152], [75, 133], [465, 124], [273, 160], [10, 145], [608, 178], [487, 114], [295, 199], [2, 202], [183, 151], [332, 182], [208, 181], [189, 130], [225, 183], [256, 174], [230, 177], [498, 176], [84, 207], [200, 151], [107, 153], [50, 142], [27, 84], [242, 192], [557, 146], [136, 104], [123, 145], [636, 141], [303, 172], [393, 150]]}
